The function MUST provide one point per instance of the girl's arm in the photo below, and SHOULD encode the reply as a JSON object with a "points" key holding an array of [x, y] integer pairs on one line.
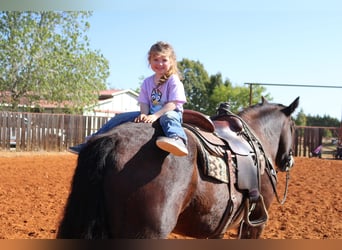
{"points": [[167, 107]]}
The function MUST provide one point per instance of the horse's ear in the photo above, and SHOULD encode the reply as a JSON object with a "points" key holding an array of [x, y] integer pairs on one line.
{"points": [[263, 100], [292, 107]]}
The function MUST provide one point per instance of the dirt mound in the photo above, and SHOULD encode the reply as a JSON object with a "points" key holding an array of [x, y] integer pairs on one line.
{"points": [[34, 189]]}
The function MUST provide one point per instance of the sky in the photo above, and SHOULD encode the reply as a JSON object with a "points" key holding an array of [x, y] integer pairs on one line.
{"points": [[265, 41]]}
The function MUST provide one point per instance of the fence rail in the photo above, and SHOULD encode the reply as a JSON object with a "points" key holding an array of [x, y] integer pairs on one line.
{"points": [[47, 132]]}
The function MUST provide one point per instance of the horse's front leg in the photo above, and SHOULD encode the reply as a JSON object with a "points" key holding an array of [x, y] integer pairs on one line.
{"points": [[249, 232]]}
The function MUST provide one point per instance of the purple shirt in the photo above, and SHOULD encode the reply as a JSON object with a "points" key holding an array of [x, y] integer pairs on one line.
{"points": [[156, 98]]}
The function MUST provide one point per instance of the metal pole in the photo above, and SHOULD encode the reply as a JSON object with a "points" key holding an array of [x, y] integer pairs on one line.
{"points": [[250, 93], [296, 85], [340, 133]]}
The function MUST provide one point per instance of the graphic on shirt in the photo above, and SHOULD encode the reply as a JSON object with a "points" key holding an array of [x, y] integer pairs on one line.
{"points": [[156, 96]]}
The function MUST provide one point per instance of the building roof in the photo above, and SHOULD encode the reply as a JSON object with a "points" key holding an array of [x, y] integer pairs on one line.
{"points": [[109, 93], [104, 94]]}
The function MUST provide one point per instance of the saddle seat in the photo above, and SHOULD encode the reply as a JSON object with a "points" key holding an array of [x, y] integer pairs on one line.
{"points": [[197, 119]]}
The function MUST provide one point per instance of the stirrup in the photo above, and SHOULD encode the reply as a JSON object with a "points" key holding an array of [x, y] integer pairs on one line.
{"points": [[249, 208]]}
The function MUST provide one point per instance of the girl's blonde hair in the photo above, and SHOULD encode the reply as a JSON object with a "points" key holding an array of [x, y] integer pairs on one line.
{"points": [[164, 49]]}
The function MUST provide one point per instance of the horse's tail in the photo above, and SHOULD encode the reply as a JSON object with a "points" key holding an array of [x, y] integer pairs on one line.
{"points": [[84, 214]]}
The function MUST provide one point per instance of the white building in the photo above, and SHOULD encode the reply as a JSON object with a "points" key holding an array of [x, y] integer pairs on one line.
{"points": [[112, 102]]}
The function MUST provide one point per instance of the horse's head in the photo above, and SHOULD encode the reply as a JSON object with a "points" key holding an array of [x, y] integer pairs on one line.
{"points": [[284, 158], [272, 124]]}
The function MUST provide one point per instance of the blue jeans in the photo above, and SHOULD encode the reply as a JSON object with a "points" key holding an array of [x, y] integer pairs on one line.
{"points": [[171, 123], [117, 120]]}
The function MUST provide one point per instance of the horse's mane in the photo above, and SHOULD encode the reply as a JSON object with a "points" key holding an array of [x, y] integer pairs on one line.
{"points": [[260, 107], [260, 111]]}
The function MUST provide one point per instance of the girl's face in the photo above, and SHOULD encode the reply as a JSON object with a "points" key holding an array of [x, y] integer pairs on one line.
{"points": [[160, 64]]}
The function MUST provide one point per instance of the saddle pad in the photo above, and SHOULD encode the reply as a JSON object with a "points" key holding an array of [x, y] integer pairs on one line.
{"points": [[217, 168]]}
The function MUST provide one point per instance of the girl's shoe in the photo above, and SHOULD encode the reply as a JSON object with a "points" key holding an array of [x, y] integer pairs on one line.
{"points": [[76, 149], [174, 145]]}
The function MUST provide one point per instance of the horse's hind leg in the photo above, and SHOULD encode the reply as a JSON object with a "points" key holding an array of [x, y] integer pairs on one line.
{"points": [[134, 220], [138, 223]]}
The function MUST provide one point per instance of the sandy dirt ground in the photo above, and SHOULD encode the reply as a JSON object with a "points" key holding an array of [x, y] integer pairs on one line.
{"points": [[34, 188]]}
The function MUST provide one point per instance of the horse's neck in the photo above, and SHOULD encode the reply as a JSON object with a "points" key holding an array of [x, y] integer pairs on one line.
{"points": [[267, 131]]}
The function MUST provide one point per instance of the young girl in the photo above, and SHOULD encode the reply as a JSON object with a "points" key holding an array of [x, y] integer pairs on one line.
{"points": [[161, 97]]}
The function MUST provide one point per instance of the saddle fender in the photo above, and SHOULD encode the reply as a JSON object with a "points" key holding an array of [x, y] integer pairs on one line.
{"points": [[237, 143]]}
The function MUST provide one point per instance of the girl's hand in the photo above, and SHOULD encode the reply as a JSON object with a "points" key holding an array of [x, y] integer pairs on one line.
{"points": [[150, 118], [146, 118], [140, 118]]}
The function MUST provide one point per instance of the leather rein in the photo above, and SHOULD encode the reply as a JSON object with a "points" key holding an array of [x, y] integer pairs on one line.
{"points": [[272, 173]]}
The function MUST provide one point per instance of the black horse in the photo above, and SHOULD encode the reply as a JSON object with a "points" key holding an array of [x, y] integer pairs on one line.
{"points": [[124, 186]]}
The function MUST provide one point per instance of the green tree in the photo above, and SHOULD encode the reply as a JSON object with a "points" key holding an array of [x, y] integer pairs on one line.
{"points": [[216, 85], [325, 121], [195, 80], [301, 118], [205, 93], [236, 96], [46, 56]]}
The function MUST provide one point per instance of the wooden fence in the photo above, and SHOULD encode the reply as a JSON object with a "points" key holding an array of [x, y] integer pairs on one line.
{"points": [[43, 131], [57, 132], [309, 138]]}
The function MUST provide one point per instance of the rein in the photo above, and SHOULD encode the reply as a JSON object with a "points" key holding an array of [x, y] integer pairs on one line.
{"points": [[281, 202], [272, 173], [289, 164]]}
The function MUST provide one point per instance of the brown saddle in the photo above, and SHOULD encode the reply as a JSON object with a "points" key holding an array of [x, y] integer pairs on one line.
{"points": [[219, 135], [220, 132]]}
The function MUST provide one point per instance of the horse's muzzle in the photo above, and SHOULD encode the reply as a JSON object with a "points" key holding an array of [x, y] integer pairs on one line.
{"points": [[290, 162], [286, 163]]}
